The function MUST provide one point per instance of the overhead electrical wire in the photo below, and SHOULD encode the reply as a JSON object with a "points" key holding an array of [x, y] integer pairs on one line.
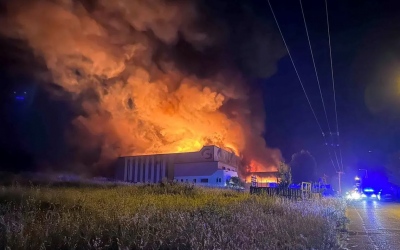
{"points": [[295, 69], [298, 76], [315, 67], [333, 84], [320, 91]]}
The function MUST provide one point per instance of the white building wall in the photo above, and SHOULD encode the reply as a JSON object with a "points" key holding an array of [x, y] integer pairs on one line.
{"points": [[153, 168], [158, 169], [217, 179], [125, 169], [144, 169], [164, 168], [131, 169], [135, 179]]}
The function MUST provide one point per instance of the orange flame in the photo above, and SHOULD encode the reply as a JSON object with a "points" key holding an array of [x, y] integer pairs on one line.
{"points": [[165, 121], [140, 106], [261, 179], [255, 166]]}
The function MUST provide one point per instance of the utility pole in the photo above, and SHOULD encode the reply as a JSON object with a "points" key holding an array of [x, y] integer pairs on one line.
{"points": [[362, 181], [340, 184], [366, 172]]}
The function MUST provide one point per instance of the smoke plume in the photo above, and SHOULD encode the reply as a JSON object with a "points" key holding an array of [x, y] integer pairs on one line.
{"points": [[154, 76]]}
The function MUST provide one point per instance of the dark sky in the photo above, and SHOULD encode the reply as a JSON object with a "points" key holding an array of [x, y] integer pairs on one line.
{"points": [[365, 48], [364, 38]]}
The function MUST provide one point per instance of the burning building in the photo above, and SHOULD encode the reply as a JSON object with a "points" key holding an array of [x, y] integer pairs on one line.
{"points": [[211, 166], [147, 78], [263, 179]]}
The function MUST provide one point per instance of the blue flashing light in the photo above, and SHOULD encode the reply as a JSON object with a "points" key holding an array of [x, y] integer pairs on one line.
{"points": [[20, 98], [273, 184], [294, 186], [368, 190]]}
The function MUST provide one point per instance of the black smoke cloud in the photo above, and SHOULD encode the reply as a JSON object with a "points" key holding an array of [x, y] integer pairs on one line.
{"points": [[84, 55]]}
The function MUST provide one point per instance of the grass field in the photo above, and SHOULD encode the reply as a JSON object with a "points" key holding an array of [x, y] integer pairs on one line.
{"points": [[167, 216]]}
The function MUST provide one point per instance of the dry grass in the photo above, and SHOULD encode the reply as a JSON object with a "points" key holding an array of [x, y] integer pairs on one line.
{"points": [[162, 217]]}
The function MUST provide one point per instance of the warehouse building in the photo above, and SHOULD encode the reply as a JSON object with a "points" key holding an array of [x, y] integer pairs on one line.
{"points": [[211, 166], [263, 179]]}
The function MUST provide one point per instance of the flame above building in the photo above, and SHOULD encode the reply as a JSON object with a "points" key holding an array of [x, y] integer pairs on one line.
{"points": [[118, 61]]}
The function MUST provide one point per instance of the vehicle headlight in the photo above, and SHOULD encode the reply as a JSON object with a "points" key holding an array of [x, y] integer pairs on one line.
{"points": [[355, 196]]}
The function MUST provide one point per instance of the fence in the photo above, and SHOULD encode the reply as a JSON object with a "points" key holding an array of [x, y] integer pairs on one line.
{"points": [[304, 193]]}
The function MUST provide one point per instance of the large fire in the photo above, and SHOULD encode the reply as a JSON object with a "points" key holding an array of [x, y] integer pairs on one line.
{"points": [[258, 170], [260, 179], [148, 117], [132, 103], [255, 166]]}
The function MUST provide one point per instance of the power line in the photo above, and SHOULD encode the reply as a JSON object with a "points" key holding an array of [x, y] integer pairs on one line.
{"points": [[319, 87], [315, 67], [333, 81], [340, 182], [337, 160], [301, 83], [330, 156], [295, 69]]}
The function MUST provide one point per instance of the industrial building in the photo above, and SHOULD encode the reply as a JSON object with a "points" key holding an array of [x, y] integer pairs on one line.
{"points": [[264, 179], [211, 166]]}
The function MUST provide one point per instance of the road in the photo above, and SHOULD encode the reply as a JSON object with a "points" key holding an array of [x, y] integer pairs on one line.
{"points": [[374, 225]]}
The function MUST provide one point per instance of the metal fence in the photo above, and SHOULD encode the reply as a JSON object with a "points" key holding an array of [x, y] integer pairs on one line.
{"points": [[304, 193]]}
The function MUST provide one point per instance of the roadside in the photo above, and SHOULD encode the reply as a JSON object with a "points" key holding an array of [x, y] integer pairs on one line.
{"points": [[373, 225]]}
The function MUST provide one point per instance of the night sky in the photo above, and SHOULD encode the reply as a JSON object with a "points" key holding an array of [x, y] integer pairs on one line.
{"points": [[366, 51], [364, 38]]}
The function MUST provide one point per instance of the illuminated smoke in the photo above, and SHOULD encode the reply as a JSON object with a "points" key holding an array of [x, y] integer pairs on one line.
{"points": [[145, 76]]}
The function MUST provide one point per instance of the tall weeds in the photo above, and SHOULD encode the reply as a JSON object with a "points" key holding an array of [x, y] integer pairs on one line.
{"points": [[162, 217]]}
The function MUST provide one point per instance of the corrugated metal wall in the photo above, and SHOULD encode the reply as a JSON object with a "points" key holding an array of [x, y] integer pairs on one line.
{"points": [[145, 169]]}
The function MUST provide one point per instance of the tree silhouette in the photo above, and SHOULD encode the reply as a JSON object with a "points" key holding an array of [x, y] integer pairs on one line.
{"points": [[235, 182], [393, 168], [285, 175], [303, 167]]}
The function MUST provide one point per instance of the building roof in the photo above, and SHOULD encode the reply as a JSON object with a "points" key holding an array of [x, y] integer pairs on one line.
{"points": [[205, 154]]}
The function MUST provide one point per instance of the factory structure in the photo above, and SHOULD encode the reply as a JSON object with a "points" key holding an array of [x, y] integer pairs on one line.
{"points": [[211, 166], [263, 179]]}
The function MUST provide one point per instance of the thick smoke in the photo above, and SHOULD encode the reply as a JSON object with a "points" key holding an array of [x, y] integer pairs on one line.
{"points": [[154, 76]]}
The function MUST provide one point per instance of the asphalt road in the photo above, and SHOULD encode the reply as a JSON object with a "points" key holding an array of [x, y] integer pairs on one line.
{"points": [[374, 225]]}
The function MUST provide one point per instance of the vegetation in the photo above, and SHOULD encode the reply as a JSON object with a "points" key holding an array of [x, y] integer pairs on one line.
{"points": [[165, 216], [393, 168], [235, 183], [285, 175], [303, 167]]}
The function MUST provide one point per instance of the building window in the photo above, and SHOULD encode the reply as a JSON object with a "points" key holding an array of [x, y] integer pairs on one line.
{"points": [[181, 180], [204, 180], [194, 180]]}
